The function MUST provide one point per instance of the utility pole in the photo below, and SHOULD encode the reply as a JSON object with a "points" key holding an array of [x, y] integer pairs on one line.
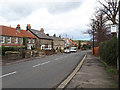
{"points": [[118, 39], [93, 40]]}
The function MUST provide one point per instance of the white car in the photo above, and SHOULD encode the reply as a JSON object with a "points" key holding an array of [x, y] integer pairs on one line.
{"points": [[73, 49], [67, 50]]}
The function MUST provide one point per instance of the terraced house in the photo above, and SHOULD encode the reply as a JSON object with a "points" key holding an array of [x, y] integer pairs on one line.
{"points": [[43, 41], [58, 42], [15, 37]]}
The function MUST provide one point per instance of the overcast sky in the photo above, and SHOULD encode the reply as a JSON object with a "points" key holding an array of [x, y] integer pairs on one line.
{"points": [[71, 17]]}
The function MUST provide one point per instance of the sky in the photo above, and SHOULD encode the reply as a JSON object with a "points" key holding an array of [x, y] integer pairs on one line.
{"points": [[68, 18]]}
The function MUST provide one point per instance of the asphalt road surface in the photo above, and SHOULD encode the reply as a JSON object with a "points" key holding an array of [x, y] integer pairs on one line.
{"points": [[46, 72]]}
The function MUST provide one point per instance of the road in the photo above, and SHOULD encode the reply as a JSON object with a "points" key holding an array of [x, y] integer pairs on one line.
{"points": [[46, 72]]}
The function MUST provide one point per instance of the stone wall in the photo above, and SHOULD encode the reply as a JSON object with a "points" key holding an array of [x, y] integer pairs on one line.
{"points": [[14, 55]]}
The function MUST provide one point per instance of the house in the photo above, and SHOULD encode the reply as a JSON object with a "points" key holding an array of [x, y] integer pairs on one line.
{"points": [[58, 42], [73, 44], [83, 43], [16, 37], [67, 42], [43, 41]]}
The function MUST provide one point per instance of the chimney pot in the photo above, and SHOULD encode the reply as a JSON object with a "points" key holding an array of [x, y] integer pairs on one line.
{"points": [[47, 34], [42, 29], [28, 27], [59, 36], [18, 27], [54, 35]]}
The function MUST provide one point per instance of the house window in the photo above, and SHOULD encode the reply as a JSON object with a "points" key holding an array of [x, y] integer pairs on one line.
{"points": [[21, 40], [49, 46], [42, 47], [16, 40], [33, 41], [9, 39], [29, 40], [2, 39]]}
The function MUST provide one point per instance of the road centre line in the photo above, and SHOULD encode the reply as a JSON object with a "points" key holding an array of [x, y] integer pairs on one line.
{"points": [[8, 74], [41, 64]]}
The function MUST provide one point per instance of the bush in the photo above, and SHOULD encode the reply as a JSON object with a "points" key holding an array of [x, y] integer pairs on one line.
{"points": [[109, 51]]}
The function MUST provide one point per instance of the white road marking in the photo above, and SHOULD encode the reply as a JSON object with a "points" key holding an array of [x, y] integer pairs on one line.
{"points": [[45, 62], [8, 74], [41, 64], [58, 58]]}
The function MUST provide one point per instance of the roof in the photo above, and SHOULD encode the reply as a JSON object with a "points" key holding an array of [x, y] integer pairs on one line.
{"points": [[83, 43], [72, 42], [56, 38], [10, 31], [27, 34], [39, 34]]}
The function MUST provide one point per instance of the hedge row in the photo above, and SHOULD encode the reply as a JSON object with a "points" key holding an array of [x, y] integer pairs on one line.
{"points": [[4, 49], [109, 51]]}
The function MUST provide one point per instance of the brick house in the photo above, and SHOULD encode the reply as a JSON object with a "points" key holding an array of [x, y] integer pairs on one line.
{"points": [[43, 41], [14, 37], [58, 42], [73, 44]]}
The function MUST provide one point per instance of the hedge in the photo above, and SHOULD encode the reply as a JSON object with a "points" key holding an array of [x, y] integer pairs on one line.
{"points": [[4, 49], [109, 51]]}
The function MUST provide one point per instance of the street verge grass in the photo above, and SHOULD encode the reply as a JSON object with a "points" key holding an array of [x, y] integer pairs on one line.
{"points": [[111, 70]]}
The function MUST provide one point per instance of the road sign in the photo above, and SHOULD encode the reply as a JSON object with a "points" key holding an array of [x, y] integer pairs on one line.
{"points": [[114, 28]]}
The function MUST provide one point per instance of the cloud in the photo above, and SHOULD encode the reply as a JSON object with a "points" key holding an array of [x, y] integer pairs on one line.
{"points": [[62, 18]]}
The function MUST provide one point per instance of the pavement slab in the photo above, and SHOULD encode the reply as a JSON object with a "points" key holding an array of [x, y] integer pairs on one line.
{"points": [[92, 75]]}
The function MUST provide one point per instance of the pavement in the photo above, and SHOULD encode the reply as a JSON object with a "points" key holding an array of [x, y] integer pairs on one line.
{"points": [[92, 75]]}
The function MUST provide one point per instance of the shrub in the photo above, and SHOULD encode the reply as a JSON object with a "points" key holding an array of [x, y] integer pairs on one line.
{"points": [[4, 49], [109, 51]]}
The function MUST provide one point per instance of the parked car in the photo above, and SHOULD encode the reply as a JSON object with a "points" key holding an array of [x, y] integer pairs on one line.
{"points": [[73, 49], [67, 51]]}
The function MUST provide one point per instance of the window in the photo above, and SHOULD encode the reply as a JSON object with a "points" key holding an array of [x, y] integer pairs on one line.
{"points": [[29, 41], [9, 39], [49, 46], [16, 40], [21, 40], [42, 47], [2, 39], [33, 41]]}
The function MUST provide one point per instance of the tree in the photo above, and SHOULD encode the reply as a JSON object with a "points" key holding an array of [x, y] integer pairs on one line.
{"points": [[79, 44], [99, 28], [110, 9], [100, 24]]}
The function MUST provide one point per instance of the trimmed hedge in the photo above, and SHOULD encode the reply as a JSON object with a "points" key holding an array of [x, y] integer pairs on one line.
{"points": [[4, 49], [109, 51]]}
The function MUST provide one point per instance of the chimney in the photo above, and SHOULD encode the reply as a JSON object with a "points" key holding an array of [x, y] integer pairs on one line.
{"points": [[59, 36], [18, 27], [28, 27], [54, 35], [47, 34], [42, 30]]}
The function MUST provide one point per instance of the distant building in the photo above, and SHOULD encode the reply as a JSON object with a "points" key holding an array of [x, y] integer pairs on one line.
{"points": [[73, 44], [58, 42], [67, 42], [14, 37], [83, 43]]}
